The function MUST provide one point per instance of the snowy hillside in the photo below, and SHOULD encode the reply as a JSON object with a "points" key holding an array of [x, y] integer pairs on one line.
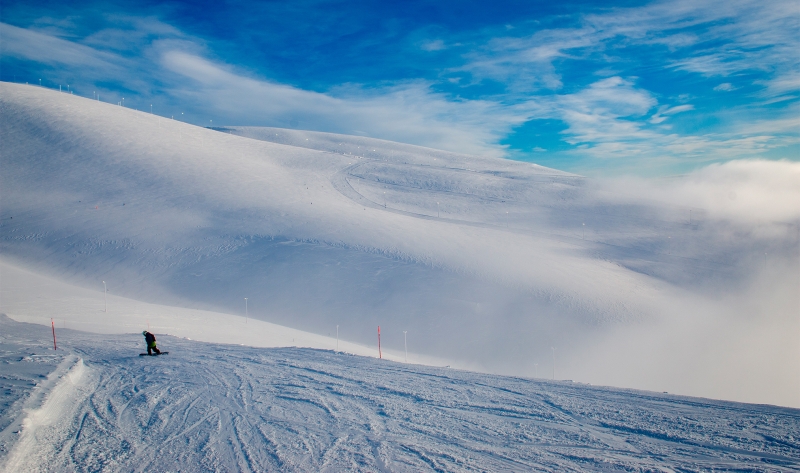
{"points": [[489, 264], [209, 407]]}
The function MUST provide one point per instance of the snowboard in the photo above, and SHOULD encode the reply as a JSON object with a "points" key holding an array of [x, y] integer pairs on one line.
{"points": [[154, 354]]}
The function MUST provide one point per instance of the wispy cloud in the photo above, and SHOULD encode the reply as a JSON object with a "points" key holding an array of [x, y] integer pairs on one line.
{"points": [[665, 111], [408, 112], [29, 44], [725, 87], [433, 45]]}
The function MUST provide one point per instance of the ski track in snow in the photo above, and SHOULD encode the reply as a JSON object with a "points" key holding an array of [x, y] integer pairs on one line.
{"points": [[210, 407]]}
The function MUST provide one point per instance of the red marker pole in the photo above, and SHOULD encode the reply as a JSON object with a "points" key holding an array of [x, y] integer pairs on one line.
{"points": [[380, 355], [53, 325]]}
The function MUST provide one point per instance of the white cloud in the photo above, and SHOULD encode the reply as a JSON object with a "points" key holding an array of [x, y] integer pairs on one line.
{"points": [[725, 87], [408, 112], [28, 44], [526, 64], [433, 45], [665, 111], [746, 191], [600, 113], [747, 36]]}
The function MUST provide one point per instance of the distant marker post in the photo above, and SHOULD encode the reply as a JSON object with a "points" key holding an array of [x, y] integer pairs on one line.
{"points": [[337, 338], [380, 354], [245, 311], [405, 343], [53, 326], [105, 297]]}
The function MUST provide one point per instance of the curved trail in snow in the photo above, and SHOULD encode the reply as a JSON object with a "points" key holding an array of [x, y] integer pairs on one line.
{"points": [[341, 183]]}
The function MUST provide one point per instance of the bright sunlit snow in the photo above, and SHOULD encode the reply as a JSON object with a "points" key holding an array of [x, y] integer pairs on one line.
{"points": [[229, 408], [483, 264]]}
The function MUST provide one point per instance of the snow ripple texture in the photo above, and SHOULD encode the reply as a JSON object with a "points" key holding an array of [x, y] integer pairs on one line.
{"points": [[208, 407]]}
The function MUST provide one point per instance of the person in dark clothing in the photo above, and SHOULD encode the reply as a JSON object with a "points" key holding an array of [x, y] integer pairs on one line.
{"points": [[151, 343]]}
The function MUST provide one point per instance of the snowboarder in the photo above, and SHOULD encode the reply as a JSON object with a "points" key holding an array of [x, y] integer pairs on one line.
{"points": [[151, 343]]}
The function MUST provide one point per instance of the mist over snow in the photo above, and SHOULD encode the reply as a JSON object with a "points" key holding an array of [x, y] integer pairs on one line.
{"points": [[687, 285]]}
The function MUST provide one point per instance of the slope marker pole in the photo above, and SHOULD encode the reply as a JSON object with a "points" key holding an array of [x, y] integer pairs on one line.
{"points": [[337, 338], [405, 343], [245, 311], [380, 354], [53, 325], [105, 297]]}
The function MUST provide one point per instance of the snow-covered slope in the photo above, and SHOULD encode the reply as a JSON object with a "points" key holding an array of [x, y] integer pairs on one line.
{"points": [[210, 407], [493, 265]]}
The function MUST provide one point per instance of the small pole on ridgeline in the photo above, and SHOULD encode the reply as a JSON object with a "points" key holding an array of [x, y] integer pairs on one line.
{"points": [[405, 343], [337, 338], [105, 298], [245, 311], [380, 354], [53, 325]]}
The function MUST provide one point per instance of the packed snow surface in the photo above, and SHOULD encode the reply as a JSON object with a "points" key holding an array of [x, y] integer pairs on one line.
{"points": [[488, 264], [213, 407]]}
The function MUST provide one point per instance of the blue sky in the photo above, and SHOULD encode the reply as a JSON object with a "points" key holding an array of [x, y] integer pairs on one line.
{"points": [[649, 88]]}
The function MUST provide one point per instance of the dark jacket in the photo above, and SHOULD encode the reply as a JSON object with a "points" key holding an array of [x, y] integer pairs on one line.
{"points": [[149, 338]]}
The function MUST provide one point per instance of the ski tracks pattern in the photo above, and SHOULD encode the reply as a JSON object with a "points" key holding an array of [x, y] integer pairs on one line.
{"points": [[209, 407]]}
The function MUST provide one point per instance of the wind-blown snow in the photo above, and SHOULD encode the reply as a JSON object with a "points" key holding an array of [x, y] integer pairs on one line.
{"points": [[490, 264], [211, 407]]}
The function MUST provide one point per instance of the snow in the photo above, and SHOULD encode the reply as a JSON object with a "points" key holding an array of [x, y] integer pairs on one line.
{"points": [[487, 264], [498, 267], [78, 308], [216, 407]]}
